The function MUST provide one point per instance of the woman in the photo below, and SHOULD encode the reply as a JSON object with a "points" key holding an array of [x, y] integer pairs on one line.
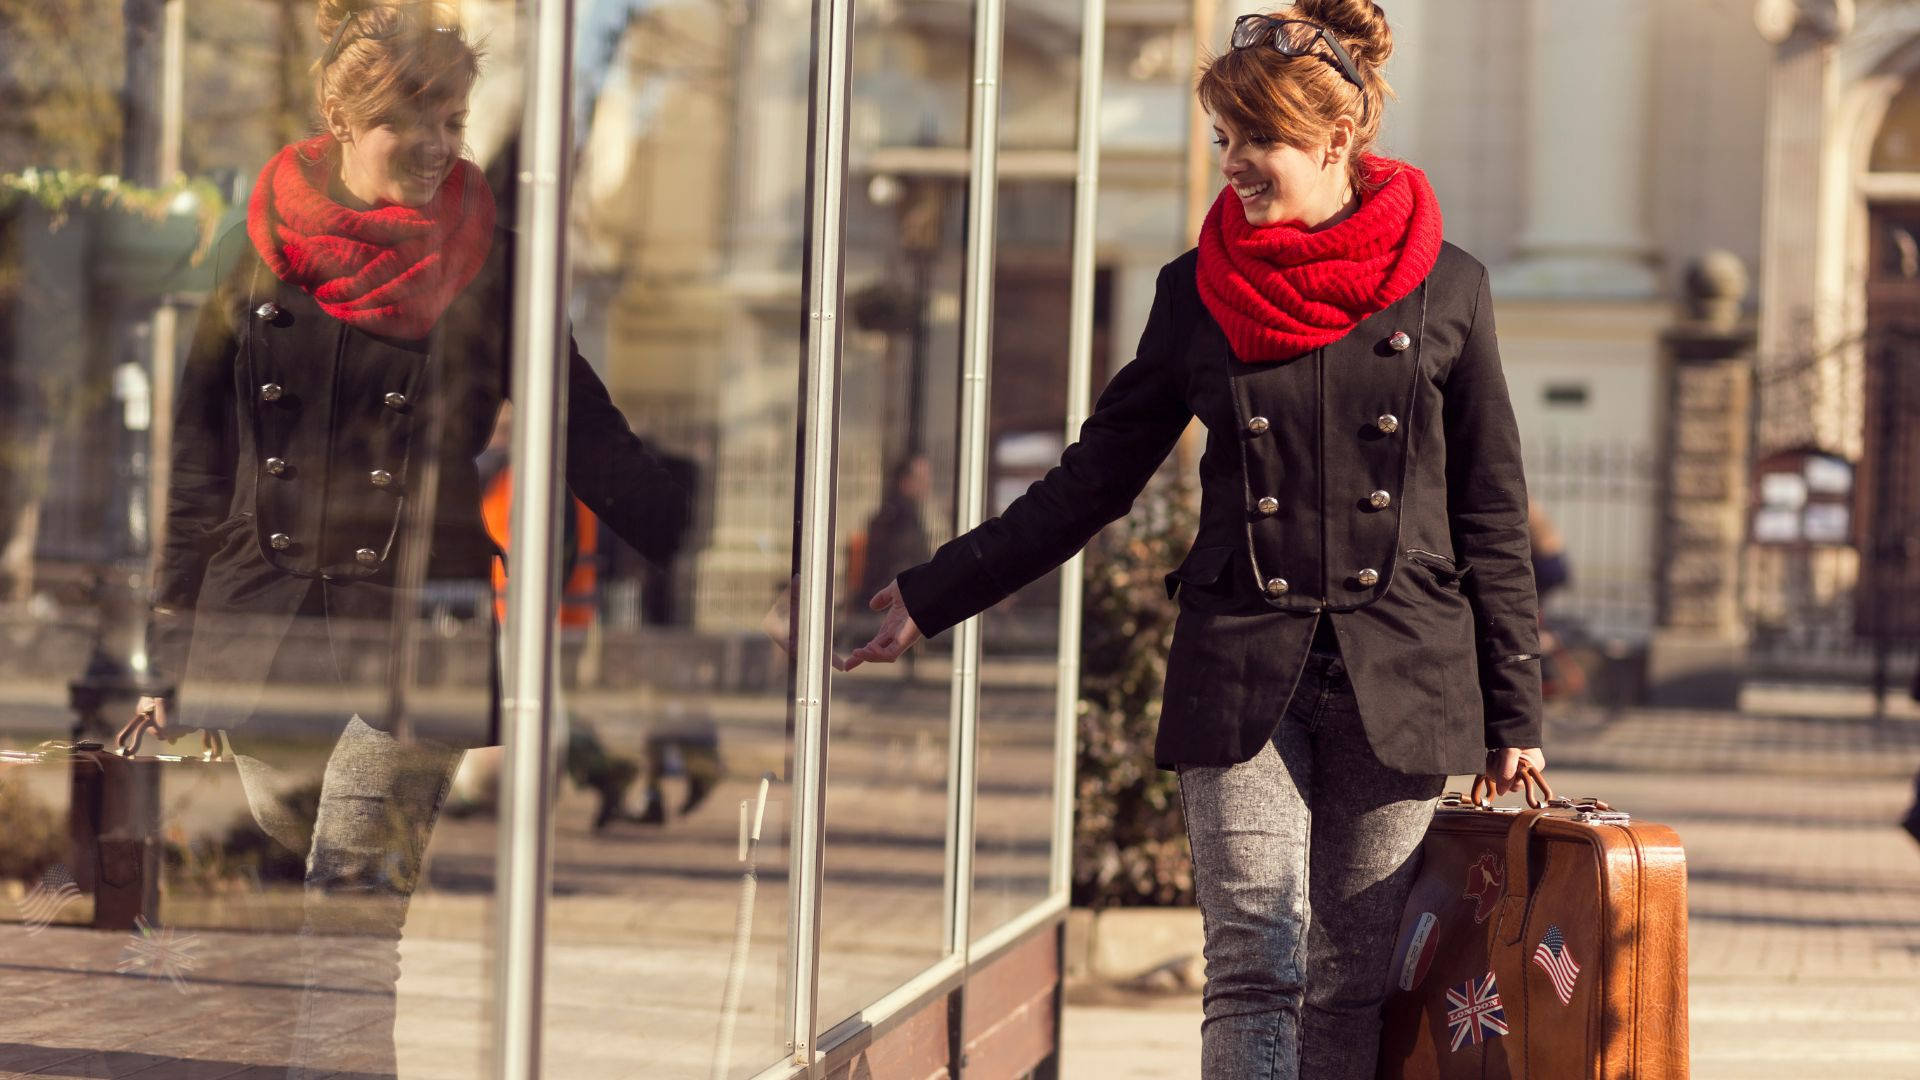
{"points": [[1357, 614], [345, 374]]}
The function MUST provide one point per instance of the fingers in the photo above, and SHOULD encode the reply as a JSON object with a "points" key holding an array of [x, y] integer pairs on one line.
{"points": [[885, 598]]}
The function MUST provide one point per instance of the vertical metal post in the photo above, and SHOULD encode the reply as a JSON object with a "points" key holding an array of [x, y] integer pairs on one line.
{"points": [[813, 589], [976, 364], [1086, 213], [528, 705]]}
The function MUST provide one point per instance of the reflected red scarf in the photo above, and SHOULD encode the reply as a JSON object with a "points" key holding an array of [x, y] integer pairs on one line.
{"points": [[391, 270], [1279, 291]]}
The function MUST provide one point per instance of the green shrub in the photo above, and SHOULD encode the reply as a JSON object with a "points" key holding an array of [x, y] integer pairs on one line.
{"points": [[1129, 839]]}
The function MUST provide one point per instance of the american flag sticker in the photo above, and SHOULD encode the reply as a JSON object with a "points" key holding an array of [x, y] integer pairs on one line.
{"points": [[1556, 960], [1419, 951], [56, 890], [1474, 1012]]}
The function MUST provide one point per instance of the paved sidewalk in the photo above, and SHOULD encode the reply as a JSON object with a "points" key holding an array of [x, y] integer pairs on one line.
{"points": [[1804, 897]]}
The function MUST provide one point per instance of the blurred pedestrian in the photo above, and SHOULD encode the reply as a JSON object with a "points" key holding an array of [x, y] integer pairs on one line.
{"points": [[1358, 617]]}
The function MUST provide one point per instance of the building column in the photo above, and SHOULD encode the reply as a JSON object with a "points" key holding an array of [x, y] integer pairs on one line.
{"points": [[1591, 77]]}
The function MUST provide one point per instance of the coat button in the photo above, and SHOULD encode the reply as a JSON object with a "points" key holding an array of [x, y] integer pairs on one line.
{"points": [[1277, 586], [396, 400], [380, 478], [1387, 423], [366, 557], [1367, 578], [280, 541], [272, 391], [1268, 506], [267, 312], [1399, 342], [1258, 426], [1379, 500], [276, 466]]}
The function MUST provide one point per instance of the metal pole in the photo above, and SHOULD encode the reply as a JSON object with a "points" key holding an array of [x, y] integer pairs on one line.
{"points": [[813, 589], [1086, 213], [528, 705], [976, 365]]}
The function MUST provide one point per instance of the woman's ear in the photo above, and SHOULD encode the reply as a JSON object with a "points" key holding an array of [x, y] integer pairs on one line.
{"points": [[337, 125], [1339, 143]]}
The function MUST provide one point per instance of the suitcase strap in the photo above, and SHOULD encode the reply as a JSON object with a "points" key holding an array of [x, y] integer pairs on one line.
{"points": [[1513, 900]]}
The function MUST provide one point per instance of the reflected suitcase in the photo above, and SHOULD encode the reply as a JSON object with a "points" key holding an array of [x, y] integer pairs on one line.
{"points": [[1547, 944]]}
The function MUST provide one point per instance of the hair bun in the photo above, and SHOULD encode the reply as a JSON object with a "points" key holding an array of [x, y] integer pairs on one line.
{"points": [[1360, 24], [334, 12]]}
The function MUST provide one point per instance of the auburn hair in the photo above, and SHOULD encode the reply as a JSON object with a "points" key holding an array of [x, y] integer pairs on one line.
{"points": [[1296, 100], [382, 58]]}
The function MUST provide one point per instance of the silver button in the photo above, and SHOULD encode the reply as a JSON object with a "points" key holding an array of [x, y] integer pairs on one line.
{"points": [[271, 391], [276, 466], [380, 478], [1367, 578], [1379, 500], [1399, 342], [396, 400], [366, 557], [1276, 586], [1387, 423], [1258, 426], [1268, 505], [267, 312], [280, 541]]}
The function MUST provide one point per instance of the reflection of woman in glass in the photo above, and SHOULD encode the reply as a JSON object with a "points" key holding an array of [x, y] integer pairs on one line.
{"points": [[345, 374], [1357, 612]]}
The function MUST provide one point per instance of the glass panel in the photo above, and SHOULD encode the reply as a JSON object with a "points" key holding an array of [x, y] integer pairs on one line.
{"points": [[272, 438], [1019, 659], [666, 948], [1019, 666], [886, 883]]}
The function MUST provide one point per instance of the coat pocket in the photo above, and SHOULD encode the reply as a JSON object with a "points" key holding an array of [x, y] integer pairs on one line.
{"points": [[1444, 569], [1202, 567]]}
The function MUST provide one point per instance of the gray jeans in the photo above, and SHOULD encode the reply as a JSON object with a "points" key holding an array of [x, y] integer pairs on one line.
{"points": [[1303, 858], [379, 799]]}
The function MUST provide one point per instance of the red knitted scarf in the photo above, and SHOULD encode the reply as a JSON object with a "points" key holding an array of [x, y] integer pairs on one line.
{"points": [[391, 270], [1279, 291]]}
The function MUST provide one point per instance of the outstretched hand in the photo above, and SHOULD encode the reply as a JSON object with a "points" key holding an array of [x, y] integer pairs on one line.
{"points": [[896, 635]]}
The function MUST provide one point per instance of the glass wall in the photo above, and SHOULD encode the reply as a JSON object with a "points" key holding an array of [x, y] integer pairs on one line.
{"points": [[290, 457]]}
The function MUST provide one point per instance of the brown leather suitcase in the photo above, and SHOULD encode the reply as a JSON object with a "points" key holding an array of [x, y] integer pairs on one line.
{"points": [[1548, 943]]}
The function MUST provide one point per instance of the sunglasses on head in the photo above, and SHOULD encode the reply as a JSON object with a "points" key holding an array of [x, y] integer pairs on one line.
{"points": [[1295, 37]]}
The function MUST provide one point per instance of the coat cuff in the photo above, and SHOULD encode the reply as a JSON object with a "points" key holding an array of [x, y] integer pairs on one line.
{"points": [[169, 636], [1510, 688], [949, 588]]}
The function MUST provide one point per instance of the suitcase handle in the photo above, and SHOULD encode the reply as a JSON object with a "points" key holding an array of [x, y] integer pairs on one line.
{"points": [[1538, 792]]}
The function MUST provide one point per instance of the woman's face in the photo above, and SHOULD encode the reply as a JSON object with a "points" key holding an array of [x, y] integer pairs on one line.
{"points": [[1278, 183], [403, 158]]}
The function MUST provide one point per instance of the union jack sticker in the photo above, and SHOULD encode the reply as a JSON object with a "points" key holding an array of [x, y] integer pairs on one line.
{"points": [[1474, 1012]]}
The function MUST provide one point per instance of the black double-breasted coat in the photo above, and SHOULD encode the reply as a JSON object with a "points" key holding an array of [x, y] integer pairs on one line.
{"points": [[299, 445], [1375, 482]]}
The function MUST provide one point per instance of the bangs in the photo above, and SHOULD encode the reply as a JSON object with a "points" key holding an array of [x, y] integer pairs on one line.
{"points": [[1241, 90]]}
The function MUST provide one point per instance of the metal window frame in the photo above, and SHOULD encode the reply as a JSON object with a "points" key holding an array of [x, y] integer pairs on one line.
{"points": [[529, 701], [1086, 214], [976, 367], [831, 87]]}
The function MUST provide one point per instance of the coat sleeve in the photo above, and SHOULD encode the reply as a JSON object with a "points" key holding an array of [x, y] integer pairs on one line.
{"points": [[200, 481], [1487, 509], [1134, 425], [616, 474]]}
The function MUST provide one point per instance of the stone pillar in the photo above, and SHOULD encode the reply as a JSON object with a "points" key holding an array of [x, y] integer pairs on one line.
{"points": [[1591, 77], [1800, 315], [1707, 360]]}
